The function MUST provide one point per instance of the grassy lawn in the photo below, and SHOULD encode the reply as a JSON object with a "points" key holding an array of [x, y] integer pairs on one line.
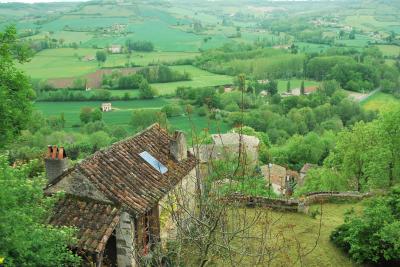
{"points": [[121, 115], [197, 124], [311, 48], [200, 78], [305, 230], [359, 42], [368, 22], [144, 59], [389, 50], [122, 92], [380, 102], [294, 83], [122, 112], [65, 62], [60, 62]]}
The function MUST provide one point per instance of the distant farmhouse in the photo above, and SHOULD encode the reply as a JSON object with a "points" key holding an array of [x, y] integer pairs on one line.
{"points": [[296, 91], [114, 197], [105, 107], [88, 58], [115, 49]]}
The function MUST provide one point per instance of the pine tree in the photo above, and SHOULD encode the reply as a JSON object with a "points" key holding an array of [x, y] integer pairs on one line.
{"points": [[288, 86]]}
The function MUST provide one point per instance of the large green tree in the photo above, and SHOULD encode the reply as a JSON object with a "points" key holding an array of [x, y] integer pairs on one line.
{"points": [[25, 238], [146, 91], [15, 89]]}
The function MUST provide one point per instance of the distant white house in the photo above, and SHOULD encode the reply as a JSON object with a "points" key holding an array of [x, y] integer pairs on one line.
{"points": [[105, 107], [266, 81], [88, 58], [115, 49]]}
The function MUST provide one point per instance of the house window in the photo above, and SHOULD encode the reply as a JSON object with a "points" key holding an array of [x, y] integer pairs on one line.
{"points": [[153, 162]]}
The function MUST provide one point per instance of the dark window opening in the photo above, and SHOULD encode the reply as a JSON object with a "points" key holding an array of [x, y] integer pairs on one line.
{"points": [[110, 252]]}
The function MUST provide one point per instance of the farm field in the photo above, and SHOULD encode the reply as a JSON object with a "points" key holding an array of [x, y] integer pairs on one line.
{"points": [[122, 113], [311, 48], [380, 102], [59, 63], [359, 42], [200, 78], [67, 62], [144, 59], [389, 50], [294, 83], [369, 22]]}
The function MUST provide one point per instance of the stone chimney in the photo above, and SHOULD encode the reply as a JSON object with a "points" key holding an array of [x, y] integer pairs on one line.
{"points": [[178, 146], [56, 162]]}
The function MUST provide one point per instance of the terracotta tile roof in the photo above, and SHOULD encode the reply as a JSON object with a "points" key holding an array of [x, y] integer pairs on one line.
{"points": [[95, 220], [126, 179], [311, 89]]}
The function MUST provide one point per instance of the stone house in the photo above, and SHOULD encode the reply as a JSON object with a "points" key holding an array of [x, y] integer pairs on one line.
{"points": [[225, 145], [307, 90], [88, 58], [113, 197], [304, 170], [115, 49], [105, 107], [230, 144], [281, 178]]}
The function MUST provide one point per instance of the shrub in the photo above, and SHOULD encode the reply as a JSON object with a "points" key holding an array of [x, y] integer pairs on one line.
{"points": [[373, 236], [172, 110], [142, 118], [202, 111]]}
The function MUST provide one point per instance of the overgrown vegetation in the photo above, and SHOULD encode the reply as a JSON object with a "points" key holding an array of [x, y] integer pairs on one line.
{"points": [[374, 235]]}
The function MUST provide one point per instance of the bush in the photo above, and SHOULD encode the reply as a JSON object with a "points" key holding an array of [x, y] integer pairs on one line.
{"points": [[25, 237], [89, 114], [233, 107], [373, 236], [172, 110], [202, 111], [143, 118], [146, 91]]}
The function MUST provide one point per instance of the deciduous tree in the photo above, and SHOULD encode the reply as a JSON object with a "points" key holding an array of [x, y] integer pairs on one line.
{"points": [[16, 93]]}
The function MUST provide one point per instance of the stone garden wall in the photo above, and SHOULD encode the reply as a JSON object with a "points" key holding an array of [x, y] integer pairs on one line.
{"points": [[294, 205]]}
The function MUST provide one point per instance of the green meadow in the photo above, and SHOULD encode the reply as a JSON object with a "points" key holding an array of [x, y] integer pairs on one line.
{"points": [[200, 78], [122, 114], [389, 50], [294, 83], [380, 102], [58, 63], [144, 59], [68, 62]]}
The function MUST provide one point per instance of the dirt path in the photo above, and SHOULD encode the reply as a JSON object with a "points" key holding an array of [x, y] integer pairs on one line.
{"points": [[359, 97]]}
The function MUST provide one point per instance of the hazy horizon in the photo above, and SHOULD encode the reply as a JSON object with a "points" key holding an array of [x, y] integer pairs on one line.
{"points": [[39, 1]]}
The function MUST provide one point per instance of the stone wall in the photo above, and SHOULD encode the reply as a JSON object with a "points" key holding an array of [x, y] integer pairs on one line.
{"points": [[294, 204], [185, 190], [273, 203], [318, 197], [125, 235]]}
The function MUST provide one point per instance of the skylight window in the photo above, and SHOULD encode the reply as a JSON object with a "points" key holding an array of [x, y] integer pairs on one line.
{"points": [[153, 162]]}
